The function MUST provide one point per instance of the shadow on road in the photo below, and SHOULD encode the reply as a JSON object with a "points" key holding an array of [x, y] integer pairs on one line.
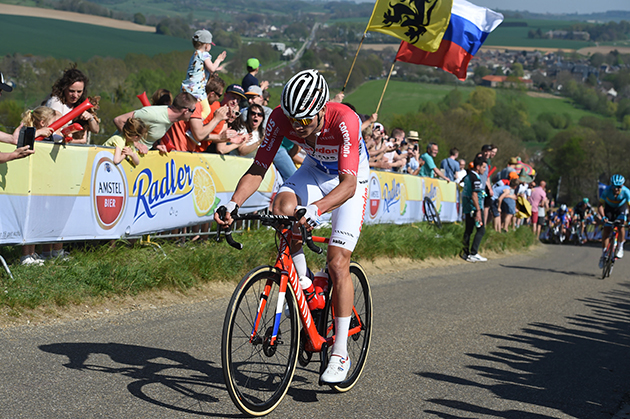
{"points": [[579, 369], [171, 379], [557, 271]]}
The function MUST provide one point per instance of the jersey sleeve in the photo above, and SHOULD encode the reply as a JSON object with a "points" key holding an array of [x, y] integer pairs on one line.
{"points": [[349, 127], [274, 133]]}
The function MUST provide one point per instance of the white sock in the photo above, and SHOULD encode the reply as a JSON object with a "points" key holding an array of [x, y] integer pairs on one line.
{"points": [[340, 347], [299, 260]]}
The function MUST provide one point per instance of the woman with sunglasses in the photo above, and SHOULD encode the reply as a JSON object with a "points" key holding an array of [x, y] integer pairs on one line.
{"points": [[333, 178], [253, 127], [613, 205]]}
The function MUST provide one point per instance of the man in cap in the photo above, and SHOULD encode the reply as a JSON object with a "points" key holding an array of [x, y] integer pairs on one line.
{"points": [[253, 65]]}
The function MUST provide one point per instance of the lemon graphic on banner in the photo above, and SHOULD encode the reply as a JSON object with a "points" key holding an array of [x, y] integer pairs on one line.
{"points": [[403, 199], [204, 192]]}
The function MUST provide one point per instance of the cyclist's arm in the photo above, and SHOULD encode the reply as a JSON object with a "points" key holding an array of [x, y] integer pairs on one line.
{"points": [[249, 183], [600, 210], [340, 194]]}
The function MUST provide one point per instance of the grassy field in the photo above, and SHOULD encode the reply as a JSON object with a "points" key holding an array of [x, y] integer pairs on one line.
{"points": [[78, 41], [516, 36], [404, 97]]}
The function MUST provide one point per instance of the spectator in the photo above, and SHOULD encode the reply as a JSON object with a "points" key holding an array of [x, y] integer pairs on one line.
{"points": [[539, 202], [196, 134], [378, 147], [500, 190], [253, 66], [395, 157], [40, 118], [461, 173], [511, 167], [200, 68], [429, 169], [450, 165], [161, 97], [255, 97], [508, 206], [472, 207], [486, 152], [413, 166], [133, 131], [69, 92], [158, 120], [254, 134]]}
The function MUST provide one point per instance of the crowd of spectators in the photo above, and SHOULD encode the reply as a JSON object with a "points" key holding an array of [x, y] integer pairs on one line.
{"points": [[208, 116]]}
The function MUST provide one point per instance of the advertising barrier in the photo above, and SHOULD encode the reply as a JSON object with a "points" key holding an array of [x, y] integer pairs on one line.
{"points": [[70, 192]]}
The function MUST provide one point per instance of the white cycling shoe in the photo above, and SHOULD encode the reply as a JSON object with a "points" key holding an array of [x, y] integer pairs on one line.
{"points": [[337, 370], [619, 254]]}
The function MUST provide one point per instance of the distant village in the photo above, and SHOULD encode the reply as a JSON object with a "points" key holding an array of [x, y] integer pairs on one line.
{"points": [[540, 66]]}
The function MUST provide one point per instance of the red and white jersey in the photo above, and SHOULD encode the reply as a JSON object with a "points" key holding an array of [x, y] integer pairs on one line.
{"points": [[339, 148]]}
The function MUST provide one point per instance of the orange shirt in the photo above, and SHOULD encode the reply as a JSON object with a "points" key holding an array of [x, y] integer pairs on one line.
{"points": [[205, 144]]}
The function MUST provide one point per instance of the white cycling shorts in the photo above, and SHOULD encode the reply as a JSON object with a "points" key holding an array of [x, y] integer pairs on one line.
{"points": [[310, 184]]}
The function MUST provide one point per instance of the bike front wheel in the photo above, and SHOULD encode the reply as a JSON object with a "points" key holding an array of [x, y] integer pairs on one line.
{"points": [[258, 371], [361, 321]]}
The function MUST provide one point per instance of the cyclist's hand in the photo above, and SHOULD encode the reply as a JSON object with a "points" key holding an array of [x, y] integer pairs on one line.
{"points": [[312, 215], [223, 214]]}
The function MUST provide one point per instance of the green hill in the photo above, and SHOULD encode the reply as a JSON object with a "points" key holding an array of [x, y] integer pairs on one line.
{"points": [[79, 41], [404, 97]]}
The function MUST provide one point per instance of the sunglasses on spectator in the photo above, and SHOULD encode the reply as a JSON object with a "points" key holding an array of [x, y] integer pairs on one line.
{"points": [[304, 122], [191, 110], [257, 114]]}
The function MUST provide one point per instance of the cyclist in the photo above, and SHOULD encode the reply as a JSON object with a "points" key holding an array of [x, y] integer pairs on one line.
{"points": [[580, 213], [563, 220], [613, 205], [334, 177]]}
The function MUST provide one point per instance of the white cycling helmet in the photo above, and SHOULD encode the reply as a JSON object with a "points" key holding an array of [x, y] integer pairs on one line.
{"points": [[304, 95], [563, 207]]}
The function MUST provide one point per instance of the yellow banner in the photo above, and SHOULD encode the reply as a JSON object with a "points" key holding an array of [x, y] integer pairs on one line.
{"points": [[419, 22]]}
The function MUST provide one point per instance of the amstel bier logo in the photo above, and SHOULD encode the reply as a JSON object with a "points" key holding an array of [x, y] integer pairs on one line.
{"points": [[109, 192], [374, 190]]}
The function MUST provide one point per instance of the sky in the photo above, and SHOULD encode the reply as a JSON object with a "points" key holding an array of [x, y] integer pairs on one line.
{"points": [[553, 6]]}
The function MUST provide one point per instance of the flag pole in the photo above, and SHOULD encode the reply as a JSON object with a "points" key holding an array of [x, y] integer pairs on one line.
{"points": [[385, 88], [353, 62]]}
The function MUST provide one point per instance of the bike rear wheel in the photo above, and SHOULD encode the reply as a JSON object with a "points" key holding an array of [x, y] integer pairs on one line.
{"points": [[430, 213], [257, 373], [610, 259], [358, 343]]}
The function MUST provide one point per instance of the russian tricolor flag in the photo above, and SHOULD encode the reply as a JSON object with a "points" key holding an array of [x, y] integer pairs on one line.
{"points": [[467, 30]]}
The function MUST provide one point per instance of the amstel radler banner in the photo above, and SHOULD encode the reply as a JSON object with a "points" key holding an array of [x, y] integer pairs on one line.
{"points": [[66, 193]]}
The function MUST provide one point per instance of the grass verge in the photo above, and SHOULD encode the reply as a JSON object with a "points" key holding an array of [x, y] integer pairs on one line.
{"points": [[96, 271]]}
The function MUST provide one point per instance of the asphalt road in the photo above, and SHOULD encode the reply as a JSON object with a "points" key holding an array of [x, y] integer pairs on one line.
{"points": [[532, 336]]}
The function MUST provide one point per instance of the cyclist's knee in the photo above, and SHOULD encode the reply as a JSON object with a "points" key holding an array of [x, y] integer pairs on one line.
{"points": [[338, 259], [284, 203]]}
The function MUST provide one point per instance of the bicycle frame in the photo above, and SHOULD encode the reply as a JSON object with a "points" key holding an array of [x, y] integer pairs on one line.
{"points": [[289, 277]]}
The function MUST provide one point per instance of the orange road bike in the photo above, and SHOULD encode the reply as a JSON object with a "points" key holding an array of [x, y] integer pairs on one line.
{"points": [[262, 339]]}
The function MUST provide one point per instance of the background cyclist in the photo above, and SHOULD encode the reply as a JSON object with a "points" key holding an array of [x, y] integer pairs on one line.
{"points": [[613, 205], [580, 212], [563, 220], [333, 177]]}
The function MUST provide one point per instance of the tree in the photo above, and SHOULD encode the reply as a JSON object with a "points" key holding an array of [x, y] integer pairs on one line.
{"points": [[517, 70], [483, 99], [139, 19]]}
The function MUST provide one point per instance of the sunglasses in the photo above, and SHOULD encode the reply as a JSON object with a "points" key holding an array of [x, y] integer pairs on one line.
{"points": [[191, 110], [304, 122], [257, 114]]}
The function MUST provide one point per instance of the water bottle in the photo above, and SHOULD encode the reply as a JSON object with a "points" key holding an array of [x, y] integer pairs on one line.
{"points": [[314, 300], [321, 285]]}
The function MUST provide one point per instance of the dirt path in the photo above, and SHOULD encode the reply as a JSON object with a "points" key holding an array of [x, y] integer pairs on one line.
{"points": [[9, 9]]}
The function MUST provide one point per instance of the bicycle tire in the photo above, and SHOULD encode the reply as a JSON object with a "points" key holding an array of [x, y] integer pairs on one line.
{"points": [[358, 344], [610, 258], [430, 213], [257, 375]]}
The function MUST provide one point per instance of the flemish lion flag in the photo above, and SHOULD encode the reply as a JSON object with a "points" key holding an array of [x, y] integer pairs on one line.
{"points": [[422, 23]]}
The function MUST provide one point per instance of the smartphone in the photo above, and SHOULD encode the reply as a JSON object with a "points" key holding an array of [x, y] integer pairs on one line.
{"points": [[26, 137]]}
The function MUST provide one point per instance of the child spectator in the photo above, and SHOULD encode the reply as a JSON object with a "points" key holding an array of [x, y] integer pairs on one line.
{"points": [[161, 97], [253, 66], [200, 68], [134, 130], [39, 118]]}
